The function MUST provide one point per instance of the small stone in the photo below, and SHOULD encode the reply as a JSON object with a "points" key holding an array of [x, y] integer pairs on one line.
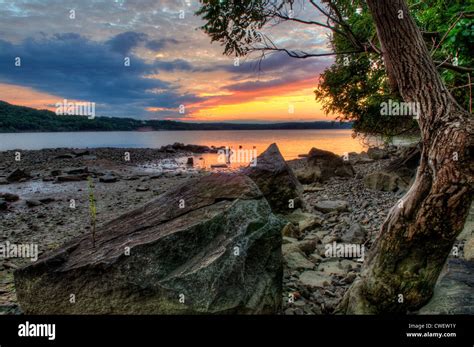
{"points": [[328, 239], [356, 234], [108, 178], [80, 152], [299, 311], [47, 200], [305, 221], [321, 233], [18, 175], [317, 310], [142, 189], [308, 245], [315, 258], [351, 276], [65, 156], [336, 266], [315, 279], [76, 170], [71, 178], [376, 153], [10, 265], [296, 260], [331, 206], [469, 249], [33, 203], [9, 197], [299, 303], [291, 231]]}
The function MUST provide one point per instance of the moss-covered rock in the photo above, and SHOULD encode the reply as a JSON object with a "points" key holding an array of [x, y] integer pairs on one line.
{"points": [[210, 246]]}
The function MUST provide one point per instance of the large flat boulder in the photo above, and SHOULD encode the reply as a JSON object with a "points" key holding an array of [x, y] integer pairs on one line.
{"points": [[385, 181], [377, 153], [276, 180], [210, 246], [398, 175], [320, 165], [453, 292], [18, 175]]}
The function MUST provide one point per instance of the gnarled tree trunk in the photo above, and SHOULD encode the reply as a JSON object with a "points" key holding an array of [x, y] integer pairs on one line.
{"points": [[417, 237]]}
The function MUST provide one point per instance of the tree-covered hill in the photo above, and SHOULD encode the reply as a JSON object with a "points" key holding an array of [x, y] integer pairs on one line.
{"points": [[25, 119]]}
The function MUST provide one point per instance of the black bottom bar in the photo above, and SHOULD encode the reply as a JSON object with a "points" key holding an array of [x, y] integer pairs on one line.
{"points": [[231, 330]]}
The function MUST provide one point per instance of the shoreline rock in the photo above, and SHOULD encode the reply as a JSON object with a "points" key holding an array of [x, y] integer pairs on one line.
{"points": [[276, 181], [320, 166], [219, 253]]}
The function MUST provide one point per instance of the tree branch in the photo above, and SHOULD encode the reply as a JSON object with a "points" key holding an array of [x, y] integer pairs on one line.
{"points": [[447, 32], [452, 67], [344, 25], [304, 55], [324, 12], [302, 21]]}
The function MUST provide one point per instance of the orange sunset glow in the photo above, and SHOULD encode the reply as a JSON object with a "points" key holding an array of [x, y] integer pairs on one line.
{"points": [[294, 101], [293, 106], [29, 97]]}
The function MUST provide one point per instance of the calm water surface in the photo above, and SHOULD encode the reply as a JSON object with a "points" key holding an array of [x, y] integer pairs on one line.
{"points": [[290, 142]]}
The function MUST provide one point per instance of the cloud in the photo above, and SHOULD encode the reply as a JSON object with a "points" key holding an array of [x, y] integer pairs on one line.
{"points": [[78, 68], [123, 43], [159, 44], [274, 71], [82, 58], [259, 85]]}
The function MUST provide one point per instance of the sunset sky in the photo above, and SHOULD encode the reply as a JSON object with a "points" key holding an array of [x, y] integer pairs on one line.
{"points": [[173, 63]]}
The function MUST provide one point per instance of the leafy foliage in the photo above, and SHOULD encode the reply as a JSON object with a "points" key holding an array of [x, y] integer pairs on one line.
{"points": [[234, 24], [354, 87]]}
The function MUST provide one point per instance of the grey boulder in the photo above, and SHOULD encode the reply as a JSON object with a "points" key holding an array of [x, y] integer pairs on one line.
{"points": [[277, 181], [320, 165], [210, 246]]}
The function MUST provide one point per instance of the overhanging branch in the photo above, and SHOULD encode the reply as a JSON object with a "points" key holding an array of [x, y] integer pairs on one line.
{"points": [[452, 67], [304, 55]]}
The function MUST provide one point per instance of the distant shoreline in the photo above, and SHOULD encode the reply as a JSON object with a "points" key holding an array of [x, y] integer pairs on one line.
{"points": [[161, 130], [20, 119]]}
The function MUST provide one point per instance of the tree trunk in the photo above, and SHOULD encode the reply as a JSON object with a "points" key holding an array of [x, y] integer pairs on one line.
{"points": [[418, 234]]}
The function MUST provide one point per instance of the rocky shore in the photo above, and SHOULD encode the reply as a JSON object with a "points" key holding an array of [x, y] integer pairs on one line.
{"points": [[45, 200]]}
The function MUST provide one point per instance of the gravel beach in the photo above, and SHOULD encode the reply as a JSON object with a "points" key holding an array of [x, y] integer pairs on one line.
{"points": [[47, 203]]}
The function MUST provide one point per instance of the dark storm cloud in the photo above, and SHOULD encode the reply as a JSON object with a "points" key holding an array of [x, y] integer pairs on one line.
{"points": [[123, 43], [74, 67], [159, 44]]}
